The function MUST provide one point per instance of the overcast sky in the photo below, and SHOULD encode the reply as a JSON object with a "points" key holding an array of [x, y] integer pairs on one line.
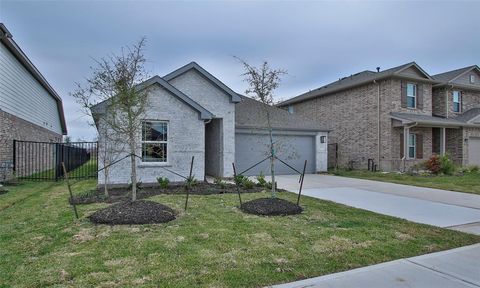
{"points": [[317, 42]]}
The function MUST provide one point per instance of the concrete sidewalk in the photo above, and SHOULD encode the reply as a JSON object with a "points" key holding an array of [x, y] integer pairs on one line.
{"points": [[453, 268]]}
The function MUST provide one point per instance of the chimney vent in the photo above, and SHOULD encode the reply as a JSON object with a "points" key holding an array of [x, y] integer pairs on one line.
{"points": [[378, 69]]}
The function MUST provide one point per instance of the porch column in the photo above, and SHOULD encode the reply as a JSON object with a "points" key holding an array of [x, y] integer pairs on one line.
{"points": [[442, 140], [406, 135]]}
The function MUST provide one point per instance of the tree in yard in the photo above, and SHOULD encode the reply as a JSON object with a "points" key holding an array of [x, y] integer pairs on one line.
{"points": [[113, 89], [262, 82]]}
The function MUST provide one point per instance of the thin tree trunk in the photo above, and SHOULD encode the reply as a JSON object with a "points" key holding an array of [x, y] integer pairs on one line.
{"points": [[105, 185], [272, 162], [134, 172]]}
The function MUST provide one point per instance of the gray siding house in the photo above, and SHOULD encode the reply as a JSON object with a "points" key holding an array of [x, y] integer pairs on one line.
{"points": [[191, 113], [398, 117], [29, 107]]}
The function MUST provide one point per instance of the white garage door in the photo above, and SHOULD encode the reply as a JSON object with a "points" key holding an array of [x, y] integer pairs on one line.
{"points": [[474, 151], [293, 149]]}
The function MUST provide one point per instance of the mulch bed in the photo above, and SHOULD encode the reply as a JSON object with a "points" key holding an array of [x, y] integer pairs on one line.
{"points": [[123, 194], [136, 212], [271, 207]]}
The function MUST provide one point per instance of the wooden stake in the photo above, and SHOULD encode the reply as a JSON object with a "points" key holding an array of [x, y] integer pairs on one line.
{"points": [[69, 190], [236, 184], [189, 182], [301, 183]]}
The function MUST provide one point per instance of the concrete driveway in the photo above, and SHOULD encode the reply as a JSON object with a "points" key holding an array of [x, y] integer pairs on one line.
{"points": [[454, 210]]}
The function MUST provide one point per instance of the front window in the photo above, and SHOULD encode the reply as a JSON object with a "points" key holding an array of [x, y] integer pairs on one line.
{"points": [[411, 95], [154, 141], [290, 109], [457, 101], [412, 148], [472, 79]]}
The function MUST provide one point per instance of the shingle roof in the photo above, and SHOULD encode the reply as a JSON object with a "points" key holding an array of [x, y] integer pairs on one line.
{"points": [[352, 81], [469, 115], [250, 113], [428, 120], [450, 75]]}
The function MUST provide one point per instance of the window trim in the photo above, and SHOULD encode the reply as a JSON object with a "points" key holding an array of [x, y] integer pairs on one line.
{"points": [[414, 146], [459, 94], [156, 142], [415, 92]]}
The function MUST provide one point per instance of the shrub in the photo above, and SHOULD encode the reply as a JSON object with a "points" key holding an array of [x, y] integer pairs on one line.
{"points": [[190, 182], [261, 180], [219, 181], [163, 182], [239, 179], [473, 169], [139, 185], [440, 165], [268, 185], [248, 184]]}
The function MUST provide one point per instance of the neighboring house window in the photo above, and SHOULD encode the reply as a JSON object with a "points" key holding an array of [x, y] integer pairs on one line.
{"points": [[154, 141], [412, 148], [290, 109], [322, 139], [411, 95], [457, 101], [472, 79]]}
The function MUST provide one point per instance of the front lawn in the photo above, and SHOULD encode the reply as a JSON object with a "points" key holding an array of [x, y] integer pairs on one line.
{"points": [[214, 244], [468, 182]]}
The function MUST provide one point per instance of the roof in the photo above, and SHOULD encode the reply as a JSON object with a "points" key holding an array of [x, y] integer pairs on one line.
{"points": [[193, 65], [356, 80], [408, 118], [469, 115], [12, 46], [250, 113], [454, 74], [204, 113]]}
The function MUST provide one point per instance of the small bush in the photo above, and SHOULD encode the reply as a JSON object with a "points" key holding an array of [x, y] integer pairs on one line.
{"points": [[261, 182], [139, 185], [190, 182], [268, 185], [440, 165], [248, 184], [219, 181], [163, 182]]}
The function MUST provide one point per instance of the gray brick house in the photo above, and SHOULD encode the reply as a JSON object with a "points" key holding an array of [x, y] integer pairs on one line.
{"points": [[30, 109], [191, 113], [370, 113]]}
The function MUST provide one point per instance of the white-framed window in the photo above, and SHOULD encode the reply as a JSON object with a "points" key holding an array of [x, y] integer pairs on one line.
{"points": [[154, 141], [472, 79], [457, 101], [411, 95], [323, 139], [412, 146]]}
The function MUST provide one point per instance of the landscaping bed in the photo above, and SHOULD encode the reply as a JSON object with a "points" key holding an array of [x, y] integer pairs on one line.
{"points": [[136, 212], [271, 207], [123, 193]]}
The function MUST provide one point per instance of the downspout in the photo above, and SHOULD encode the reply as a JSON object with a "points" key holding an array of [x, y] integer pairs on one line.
{"points": [[405, 142], [378, 122]]}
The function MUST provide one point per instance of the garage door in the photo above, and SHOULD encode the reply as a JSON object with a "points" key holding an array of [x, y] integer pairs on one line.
{"points": [[474, 151], [293, 149]]}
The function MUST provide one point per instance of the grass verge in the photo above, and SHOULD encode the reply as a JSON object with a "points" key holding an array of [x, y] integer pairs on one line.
{"points": [[214, 244], [468, 182]]}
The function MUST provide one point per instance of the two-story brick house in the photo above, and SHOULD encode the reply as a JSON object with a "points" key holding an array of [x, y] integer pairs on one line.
{"points": [[370, 113]]}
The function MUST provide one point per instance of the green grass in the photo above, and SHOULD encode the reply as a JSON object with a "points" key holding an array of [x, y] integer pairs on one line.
{"points": [[469, 182], [212, 245]]}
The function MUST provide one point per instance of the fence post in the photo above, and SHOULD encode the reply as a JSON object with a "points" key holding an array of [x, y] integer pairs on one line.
{"points": [[70, 190], [14, 168]]}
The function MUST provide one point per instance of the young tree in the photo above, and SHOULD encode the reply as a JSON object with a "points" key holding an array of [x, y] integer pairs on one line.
{"points": [[262, 82], [111, 147], [113, 85]]}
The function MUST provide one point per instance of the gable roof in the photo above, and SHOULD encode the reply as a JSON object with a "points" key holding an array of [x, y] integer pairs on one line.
{"points": [[192, 65], [12, 46], [204, 113], [469, 115], [250, 113], [356, 80], [451, 76]]}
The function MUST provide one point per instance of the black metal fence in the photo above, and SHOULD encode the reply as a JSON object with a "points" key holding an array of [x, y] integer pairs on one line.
{"points": [[43, 160]]}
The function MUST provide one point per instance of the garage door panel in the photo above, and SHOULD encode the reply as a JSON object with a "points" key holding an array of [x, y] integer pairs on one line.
{"points": [[474, 151], [293, 149]]}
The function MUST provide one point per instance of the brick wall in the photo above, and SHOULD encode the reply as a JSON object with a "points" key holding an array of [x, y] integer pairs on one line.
{"points": [[438, 102], [454, 145], [15, 128]]}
